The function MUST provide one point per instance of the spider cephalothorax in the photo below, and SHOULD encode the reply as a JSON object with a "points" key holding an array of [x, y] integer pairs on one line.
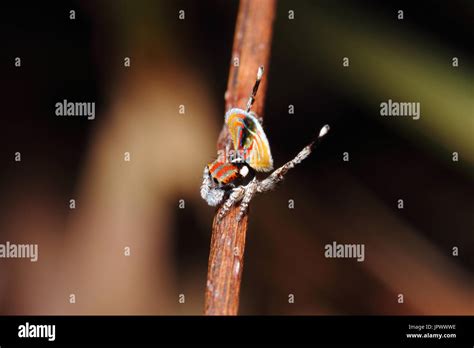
{"points": [[232, 177]]}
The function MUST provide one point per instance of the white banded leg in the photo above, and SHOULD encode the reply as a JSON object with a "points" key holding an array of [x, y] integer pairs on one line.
{"points": [[250, 191], [236, 195], [206, 183]]}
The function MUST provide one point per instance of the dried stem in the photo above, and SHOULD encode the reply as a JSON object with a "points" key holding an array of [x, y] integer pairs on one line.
{"points": [[252, 44]]}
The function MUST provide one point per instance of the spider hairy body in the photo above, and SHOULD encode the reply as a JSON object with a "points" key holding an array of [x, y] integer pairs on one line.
{"points": [[233, 180]]}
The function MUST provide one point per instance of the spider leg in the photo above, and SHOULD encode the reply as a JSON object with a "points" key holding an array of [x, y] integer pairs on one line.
{"points": [[255, 88], [211, 194], [236, 195], [250, 191], [206, 183]]}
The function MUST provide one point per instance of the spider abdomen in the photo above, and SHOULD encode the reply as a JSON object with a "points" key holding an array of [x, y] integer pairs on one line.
{"points": [[223, 172]]}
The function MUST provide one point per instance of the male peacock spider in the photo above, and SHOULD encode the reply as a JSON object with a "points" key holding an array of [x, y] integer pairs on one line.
{"points": [[233, 177]]}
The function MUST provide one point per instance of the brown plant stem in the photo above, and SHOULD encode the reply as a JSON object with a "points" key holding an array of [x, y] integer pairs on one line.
{"points": [[251, 49]]}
